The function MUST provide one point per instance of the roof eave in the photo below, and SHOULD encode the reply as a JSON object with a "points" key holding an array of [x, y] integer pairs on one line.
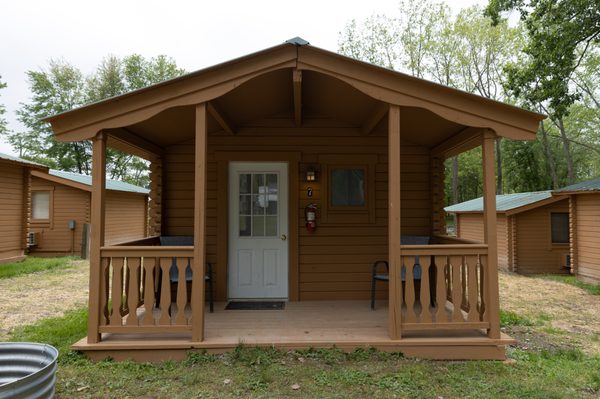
{"points": [[78, 185]]}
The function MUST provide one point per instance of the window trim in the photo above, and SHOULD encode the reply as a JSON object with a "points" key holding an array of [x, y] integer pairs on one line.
{"points": [[50, 191], [552, 242], [345, 215]]}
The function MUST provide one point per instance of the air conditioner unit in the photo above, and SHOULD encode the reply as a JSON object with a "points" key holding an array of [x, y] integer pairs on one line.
{"points": [[32, 238]]}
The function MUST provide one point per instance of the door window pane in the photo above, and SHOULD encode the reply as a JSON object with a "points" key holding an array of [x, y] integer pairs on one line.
{"points": [[560, 227], [245, 183], [40, 205], [258, 226], [245, 201], [258, 180], [271, 226], [272, 194], [347, 187], [258, 204]]}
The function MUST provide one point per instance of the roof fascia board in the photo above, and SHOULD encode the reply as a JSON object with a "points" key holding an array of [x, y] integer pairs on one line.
{"points": [[61, 180], [22, 164], [74, 184], [535, 205], [460, 107], [84, 123], [575, 192], [524, 208]]}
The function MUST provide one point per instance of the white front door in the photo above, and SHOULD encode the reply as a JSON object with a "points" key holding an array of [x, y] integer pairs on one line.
{"points": [[258, 222]]}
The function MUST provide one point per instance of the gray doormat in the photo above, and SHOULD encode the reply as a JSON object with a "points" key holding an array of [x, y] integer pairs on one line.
{"points": [[259, 305]]}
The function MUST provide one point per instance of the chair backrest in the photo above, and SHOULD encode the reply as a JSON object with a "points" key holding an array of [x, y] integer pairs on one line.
{"points": [[174, 241], [415, 240]]}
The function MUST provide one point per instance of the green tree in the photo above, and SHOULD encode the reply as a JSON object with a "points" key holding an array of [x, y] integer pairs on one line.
{"points": [[62, 87], [3, 126], [465, 51], [58, 89], [560, 32]]}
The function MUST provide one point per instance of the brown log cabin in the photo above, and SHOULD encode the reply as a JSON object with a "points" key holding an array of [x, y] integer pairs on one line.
{"points": [[532, 230], [238, 151], [584, 228], [15, 202], [61, 208]]}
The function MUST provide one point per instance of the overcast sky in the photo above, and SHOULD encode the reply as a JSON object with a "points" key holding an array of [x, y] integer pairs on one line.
{"points": [[195, 33]]}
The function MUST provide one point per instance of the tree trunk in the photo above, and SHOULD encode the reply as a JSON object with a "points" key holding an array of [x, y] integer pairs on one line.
{"points": [[499, 186], [455, 180], [549, 158], [567, 150]]}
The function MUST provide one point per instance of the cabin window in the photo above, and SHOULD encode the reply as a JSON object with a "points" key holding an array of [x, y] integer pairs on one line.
{"points": [[560, 227], [40, 205], [347, 187]]}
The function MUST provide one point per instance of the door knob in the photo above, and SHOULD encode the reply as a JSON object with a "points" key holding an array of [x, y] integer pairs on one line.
{"points": [[283, 237]]}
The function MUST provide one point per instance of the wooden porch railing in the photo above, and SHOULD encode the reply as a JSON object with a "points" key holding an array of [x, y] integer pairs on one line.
{"points": [[450, 291], [135, 289]]}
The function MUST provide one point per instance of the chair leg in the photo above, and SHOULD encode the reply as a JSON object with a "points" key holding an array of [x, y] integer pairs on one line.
{"points": [[373, 293], [210, 294]]}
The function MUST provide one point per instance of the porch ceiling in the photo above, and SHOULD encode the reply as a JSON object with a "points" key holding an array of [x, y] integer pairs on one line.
{"points": [[271, 96]]}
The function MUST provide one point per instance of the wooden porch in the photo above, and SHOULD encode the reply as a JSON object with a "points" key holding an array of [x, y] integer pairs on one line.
{"points": [[433, 278], [311, 324]]}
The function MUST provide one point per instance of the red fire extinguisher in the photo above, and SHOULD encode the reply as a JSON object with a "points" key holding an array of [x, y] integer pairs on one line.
{"points": [[310, 216]]}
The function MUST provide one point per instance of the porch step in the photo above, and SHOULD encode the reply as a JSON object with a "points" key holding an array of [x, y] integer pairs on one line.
{"points": [[154, 348]]}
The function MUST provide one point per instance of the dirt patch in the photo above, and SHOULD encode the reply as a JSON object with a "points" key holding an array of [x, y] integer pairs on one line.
{"points": [[557, 309], [28, 298]]}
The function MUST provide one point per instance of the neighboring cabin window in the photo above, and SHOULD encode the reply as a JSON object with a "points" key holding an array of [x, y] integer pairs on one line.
{"points": [[40, 205], [347, 187], [560, 227]]}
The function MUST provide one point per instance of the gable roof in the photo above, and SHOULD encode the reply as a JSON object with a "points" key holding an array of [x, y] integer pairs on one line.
{"points": [[584, 186], [506, 203], [383, 84], [84, 182], [23, 162]]}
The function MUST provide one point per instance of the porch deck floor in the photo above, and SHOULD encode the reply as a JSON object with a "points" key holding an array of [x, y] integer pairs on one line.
{"points": [[343, 324]]}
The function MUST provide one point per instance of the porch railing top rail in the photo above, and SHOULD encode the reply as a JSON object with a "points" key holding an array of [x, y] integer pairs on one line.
{"points": [[446, 239], [444, 249], [145, 241], [147, 251]]}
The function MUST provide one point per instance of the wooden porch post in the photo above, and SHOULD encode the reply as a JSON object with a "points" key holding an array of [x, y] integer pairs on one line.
{"points": [[156, 197], [97, 234], [199, 224], [489, 219], [438, 216], [395, 284]]}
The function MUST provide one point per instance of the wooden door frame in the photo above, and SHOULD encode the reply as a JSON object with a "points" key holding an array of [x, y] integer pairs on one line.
{"points": [[223, 159]]}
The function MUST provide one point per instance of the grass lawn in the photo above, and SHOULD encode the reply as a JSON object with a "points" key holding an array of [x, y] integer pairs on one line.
{"points": [[543, 371], [32, 264], [593, 289]]}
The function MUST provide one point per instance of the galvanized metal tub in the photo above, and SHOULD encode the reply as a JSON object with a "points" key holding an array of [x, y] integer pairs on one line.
{"points": [[27, 370]]}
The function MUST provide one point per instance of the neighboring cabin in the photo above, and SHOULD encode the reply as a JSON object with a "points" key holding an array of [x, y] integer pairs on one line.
{"points": [[59, 198], [14, 206], [532, 230], [584, 205]]}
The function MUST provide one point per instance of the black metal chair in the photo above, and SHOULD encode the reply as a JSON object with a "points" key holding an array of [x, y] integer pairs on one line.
{"points": [[375, 276], [378, 277], [174, 275]]}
